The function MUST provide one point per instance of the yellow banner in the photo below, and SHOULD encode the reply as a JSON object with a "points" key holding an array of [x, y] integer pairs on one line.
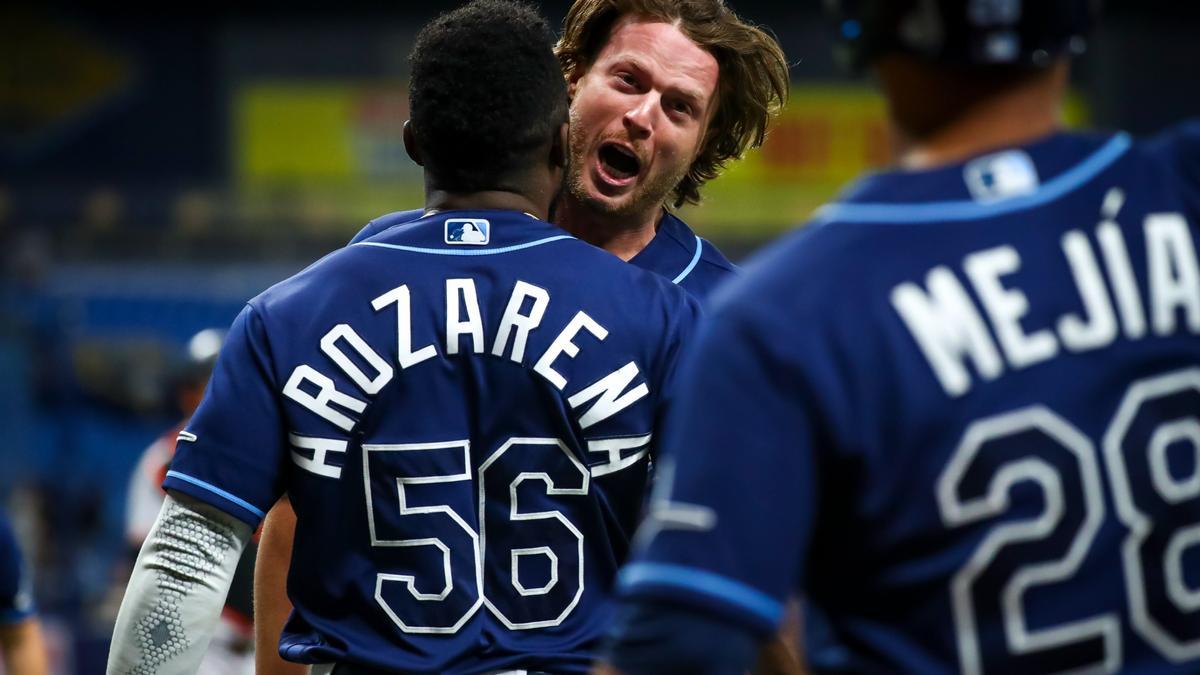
{"points": [[329, 156], [332, 155], [823, 139]]}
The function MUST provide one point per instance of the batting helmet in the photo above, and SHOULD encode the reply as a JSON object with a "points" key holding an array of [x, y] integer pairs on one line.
{"points": [[1026, 33]]}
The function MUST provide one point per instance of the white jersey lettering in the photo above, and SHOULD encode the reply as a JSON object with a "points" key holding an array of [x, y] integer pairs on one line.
{"points": [[327, 396], [607, 391], [517, 324], [460, 293], [1100, 326], [405, 356], [563, 344], [383, 371], [1174, 272], [948, 329], [1006, 306]]}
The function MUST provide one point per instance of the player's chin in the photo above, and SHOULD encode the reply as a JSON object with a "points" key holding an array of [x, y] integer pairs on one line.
{"points": [[608, 199], [613, 206], [601, 199]]}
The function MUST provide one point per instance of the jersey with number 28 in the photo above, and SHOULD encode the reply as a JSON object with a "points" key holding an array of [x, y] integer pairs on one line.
{"points": [[461, 411], [961, 410]]}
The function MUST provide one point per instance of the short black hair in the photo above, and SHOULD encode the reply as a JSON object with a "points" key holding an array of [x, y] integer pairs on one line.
{"points": [[485, 92]]}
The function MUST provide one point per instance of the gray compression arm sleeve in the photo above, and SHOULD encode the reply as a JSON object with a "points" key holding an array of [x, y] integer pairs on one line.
{"points": [[179, 583]]}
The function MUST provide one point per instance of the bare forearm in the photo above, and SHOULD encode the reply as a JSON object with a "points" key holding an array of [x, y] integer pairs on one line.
{"points": [[784, 653], [271, 604], [23, 649], [179, 584]]}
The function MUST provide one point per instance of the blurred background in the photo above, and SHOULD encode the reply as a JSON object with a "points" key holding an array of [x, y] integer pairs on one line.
{"points": [[158, 168]]}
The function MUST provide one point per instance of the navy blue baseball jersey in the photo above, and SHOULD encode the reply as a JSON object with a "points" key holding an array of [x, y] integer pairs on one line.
{"points": [[462, 412], [386, 221], [16, 598], [675, 252], [961, 413]]}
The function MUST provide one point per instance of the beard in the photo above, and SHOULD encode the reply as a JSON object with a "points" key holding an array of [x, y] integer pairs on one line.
{"points": [[649, 193]]}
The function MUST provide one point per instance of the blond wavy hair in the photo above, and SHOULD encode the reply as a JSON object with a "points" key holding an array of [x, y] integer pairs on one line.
{"points": [[752, 84]]}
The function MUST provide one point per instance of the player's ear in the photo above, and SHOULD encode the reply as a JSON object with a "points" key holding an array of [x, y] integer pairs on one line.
{"points": [[410, 143], [573, 82], [559, 148]]}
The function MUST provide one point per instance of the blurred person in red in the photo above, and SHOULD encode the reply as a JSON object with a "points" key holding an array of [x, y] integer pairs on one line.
{"points": [[22, 650], [232, 649]]}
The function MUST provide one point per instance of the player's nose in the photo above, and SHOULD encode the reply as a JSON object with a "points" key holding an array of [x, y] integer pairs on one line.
{"points": [[639, 118]]}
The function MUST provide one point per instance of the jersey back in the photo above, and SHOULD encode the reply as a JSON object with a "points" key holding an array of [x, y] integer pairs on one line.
{"points": [[461, 411], [981, 446], [675, 253]]}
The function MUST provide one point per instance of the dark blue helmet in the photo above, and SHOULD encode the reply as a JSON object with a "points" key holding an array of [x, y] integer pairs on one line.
{"points": [[1023, 33], [197, 362]]}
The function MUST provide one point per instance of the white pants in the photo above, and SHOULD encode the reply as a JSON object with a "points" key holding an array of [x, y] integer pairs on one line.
{"points": [[225, 655]]}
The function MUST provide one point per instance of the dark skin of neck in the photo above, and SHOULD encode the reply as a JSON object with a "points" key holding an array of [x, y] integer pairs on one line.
{"points": [[941, 116], [514, 199], [530, 191]]}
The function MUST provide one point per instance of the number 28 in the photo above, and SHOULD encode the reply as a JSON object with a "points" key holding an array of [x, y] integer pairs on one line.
{"points": [[1035, 444]]}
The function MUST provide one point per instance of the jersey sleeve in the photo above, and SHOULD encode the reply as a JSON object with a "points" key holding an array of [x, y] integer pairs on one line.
{"points": [[1179, 146], [369, 230], [1187, 137], [711, 270], [732, 507], [231, 455], [648, 638], [682, 333], [16, 598], [384, 222]]}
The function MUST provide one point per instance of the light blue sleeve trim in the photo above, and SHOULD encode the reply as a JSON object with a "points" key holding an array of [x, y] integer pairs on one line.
{"points": [[294, 652], [217, 491], [692, 265], [969, 210], [705, 583], [12, 616], [468, 252]]}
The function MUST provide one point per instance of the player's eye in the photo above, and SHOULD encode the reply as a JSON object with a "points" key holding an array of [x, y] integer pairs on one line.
{"points": [[627, 79], [681, 107]]}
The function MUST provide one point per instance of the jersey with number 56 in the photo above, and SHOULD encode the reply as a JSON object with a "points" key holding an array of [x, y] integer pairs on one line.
{"points": [[961, 411], [462, 411]]}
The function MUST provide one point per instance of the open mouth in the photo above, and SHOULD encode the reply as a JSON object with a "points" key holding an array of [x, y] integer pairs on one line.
{"points": [[619, 162]]}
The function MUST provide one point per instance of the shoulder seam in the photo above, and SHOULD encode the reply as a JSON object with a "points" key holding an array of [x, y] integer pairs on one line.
{"points": [[884, 213], [699, 253], [721, 263]]}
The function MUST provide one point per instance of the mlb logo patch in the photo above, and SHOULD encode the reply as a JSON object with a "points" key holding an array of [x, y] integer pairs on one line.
{"points": [[472, 231], [1001, 176]]}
